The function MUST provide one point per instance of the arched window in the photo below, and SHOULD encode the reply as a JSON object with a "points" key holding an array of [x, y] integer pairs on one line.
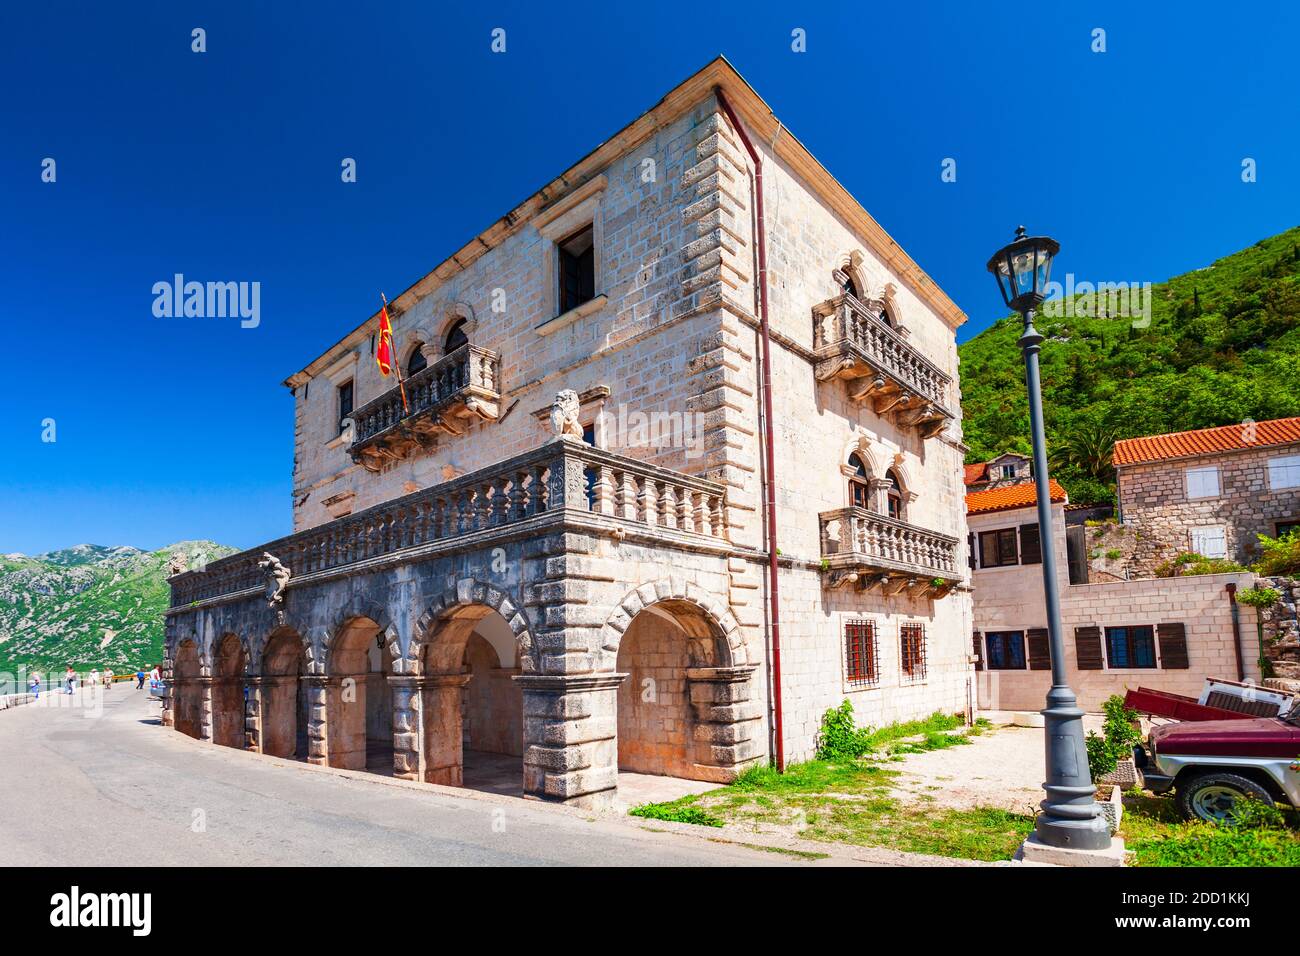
{"points": [[894, 501], [416, 362], [849, 286], [887, 318], [859, 484], [455, 337]]}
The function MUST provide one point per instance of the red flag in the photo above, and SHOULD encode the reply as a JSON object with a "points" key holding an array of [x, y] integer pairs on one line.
{"points": [[386, 352]]}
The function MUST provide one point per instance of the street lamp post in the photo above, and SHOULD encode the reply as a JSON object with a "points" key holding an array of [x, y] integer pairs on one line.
{"points": [[1071, 817]]}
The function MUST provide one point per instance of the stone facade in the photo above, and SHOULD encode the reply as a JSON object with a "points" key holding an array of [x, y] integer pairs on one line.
{"points": [[614, 593], [1154, 500], [1010, 600]]}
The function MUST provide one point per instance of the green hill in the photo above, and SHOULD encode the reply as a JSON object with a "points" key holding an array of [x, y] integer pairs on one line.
{"points": [[88, 606], [1222, 346]]}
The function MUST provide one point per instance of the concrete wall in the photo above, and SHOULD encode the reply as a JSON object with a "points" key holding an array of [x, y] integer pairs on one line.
{"points": [[1011, 599], [1153, 499]]}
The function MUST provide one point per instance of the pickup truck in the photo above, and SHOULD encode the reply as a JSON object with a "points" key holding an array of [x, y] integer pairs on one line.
{"points": [[1212, 765]]}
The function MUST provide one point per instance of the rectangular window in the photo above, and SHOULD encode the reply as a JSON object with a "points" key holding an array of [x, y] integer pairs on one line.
{"points": [[998, 548], [1285, 528], [1203, 482], [911, 651], [1031, 546], [1008, 471], [1133, 646], [860, 657], [1284, 472], [345, 402], [577, 269], [1006, 650], [1211, 541]]}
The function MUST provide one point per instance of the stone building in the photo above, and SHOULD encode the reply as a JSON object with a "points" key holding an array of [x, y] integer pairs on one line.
{"points": [[1211, 491], [560, 558], [1164, 633]]}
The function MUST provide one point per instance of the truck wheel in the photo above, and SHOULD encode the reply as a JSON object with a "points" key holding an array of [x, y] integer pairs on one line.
{"points": [[1214, 797]]}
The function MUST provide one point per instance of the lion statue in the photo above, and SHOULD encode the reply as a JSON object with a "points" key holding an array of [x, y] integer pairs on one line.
{"points": [[564, 416], [277, 576]]}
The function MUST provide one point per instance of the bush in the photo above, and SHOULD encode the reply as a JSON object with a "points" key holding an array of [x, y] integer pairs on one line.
{"points": [[1281, 556], [1259, 598], [675, 813], [1120, 736], [1189, 562], [839, 737]]}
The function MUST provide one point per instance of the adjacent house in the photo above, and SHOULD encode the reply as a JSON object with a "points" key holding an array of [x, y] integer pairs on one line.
{"points": [[1210, 491], [573, 543], [1165, 633]]}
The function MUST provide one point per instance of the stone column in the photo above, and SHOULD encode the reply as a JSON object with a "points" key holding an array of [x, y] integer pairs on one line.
{"points": [[880, 494], [728, 720], [253, 719], [408, 753], [441, 730], [571, 737], [205, 707], [317, 718]]}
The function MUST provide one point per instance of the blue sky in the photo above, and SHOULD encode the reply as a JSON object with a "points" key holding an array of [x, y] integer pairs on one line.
{"points": [[225, 166]]}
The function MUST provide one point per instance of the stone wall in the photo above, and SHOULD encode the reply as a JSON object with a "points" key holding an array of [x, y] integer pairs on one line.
{"points": [[1011, 599], [1281, 632], [1153, 500]]}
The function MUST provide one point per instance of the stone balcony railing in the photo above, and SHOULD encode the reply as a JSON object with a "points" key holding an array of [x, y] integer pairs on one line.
{"points": [[862, 548], [854, 344], [560, 481], [443, 399]]}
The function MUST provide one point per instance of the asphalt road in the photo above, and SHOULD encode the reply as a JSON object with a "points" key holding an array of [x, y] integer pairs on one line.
{"points": [[118, 789]]}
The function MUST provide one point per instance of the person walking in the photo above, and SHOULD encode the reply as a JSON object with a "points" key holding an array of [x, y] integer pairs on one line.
{"points": [[69, 678], [93, 682], [139, 679], [35, 684]]}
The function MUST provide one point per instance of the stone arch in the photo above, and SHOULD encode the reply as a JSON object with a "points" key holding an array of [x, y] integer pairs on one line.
{"points": [[322, 642], [283, 729], [867, 450], [358, 698], [712, 618], [457, 602], [229, 667], [849, 265], [186, 691]]}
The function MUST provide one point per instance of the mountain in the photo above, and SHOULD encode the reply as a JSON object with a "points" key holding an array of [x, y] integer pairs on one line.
{"points": [[1222, 345], [88, 606]]}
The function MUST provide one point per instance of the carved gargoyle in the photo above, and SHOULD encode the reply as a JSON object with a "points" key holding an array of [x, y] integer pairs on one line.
{"points": [[564, 416], [277, 576]]}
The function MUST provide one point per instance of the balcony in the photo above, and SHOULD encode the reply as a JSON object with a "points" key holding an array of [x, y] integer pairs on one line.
{"points": [[864, 549], [443, 399], [852, 344], [560, 485]]}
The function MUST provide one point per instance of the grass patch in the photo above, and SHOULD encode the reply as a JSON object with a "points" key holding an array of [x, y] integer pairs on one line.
{"points": [[678, 811], [981, 834], [1158, 836]]}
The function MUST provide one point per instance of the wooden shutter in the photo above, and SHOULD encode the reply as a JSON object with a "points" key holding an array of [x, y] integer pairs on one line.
{"points": [[970, 549], [979, 651], [1087, 647], [1040, 655], [1173, 646], [1031, 547]]}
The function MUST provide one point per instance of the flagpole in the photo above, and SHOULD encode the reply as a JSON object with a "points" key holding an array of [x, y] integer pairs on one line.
{"points": [[397, 365]]}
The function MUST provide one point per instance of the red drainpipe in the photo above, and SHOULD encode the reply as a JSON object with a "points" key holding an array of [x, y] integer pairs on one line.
{"points": [[1236, 631], [769, 475]]}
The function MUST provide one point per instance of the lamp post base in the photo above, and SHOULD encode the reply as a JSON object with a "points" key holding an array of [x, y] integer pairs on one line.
{"points": [[1071, 817], [1034, 850]]}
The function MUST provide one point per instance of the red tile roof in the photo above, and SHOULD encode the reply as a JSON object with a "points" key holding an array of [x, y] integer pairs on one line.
{"points": [[1009, 496], [976, 472], [1207, 441]]}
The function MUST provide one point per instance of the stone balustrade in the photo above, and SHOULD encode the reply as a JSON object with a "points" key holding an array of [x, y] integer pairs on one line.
{"points": [[556, 478], [865, 548], [442, 399], [853, 343]]}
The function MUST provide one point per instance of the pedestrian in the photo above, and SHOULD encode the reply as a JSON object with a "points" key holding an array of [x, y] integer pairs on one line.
{"points": [[69, 678], [36, 685], [94, 678], [139, 679], [108, 678], [156, 674]]}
